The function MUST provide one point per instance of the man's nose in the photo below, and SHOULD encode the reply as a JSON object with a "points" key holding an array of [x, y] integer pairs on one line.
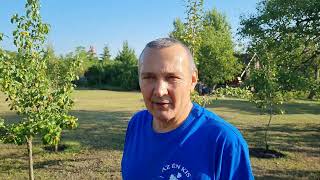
{"points": [[161, 88]]}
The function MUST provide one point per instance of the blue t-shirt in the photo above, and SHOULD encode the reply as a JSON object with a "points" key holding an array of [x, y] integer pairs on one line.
{"points": [[204, 146]]}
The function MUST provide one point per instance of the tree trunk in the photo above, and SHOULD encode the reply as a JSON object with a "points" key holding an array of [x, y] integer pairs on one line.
{"points": [[56, 147], [29, 141], [312, 93], [266, 133]]}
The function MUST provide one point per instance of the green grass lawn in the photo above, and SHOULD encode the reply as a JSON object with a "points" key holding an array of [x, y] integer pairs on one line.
{"points": [[94, 149]]}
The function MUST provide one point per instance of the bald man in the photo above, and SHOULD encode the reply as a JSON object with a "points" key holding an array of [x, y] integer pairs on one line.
{"points": [[174, 138]]}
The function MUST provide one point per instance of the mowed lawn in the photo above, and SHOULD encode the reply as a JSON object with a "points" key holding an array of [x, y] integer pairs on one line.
{"points": [[94, 149]]}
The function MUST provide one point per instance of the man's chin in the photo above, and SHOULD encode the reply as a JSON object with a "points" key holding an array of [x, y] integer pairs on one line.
{"points": [[162, 116]]}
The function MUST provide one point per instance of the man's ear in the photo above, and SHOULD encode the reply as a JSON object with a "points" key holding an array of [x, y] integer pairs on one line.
{"points": [[194, 79]]}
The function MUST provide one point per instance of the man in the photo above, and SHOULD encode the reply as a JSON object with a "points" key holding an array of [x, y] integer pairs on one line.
{"points": [[174, 138]]}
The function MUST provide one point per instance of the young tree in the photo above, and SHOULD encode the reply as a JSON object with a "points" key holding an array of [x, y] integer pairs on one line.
{"points": [[268, 90], [41, 103]]}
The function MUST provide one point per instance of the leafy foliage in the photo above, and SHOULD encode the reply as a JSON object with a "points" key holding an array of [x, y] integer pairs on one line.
{"points": [[286, 38], [190, 31], [237, 92], [201, 100], [41, 97], [213, 46], [217, 63], [292, 32]]}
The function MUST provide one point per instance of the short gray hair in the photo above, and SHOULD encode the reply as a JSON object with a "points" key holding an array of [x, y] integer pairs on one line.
{"points": [[164, 43]]}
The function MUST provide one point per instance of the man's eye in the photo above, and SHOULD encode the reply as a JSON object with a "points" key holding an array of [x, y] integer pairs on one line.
{"points": [[147, 77], [173, 77]]}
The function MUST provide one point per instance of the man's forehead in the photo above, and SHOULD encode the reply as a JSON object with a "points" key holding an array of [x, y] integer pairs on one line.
{"points": [[172, 54], [174, 50], [163, 65], [173, 59]]}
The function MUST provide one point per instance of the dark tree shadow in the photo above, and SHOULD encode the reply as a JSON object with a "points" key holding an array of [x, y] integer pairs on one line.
{"points": [[99, 130], [287, 137], [238, 105], [248, 107], [289, 174]]}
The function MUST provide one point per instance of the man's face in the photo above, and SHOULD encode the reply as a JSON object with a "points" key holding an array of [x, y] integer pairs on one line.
{"points": [[166, 81]]}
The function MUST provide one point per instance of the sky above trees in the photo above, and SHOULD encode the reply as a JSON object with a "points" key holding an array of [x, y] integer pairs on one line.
{"points": [[99, 23]]}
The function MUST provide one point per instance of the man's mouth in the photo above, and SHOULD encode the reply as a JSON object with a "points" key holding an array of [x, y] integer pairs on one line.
{"points": [[161, 104]]}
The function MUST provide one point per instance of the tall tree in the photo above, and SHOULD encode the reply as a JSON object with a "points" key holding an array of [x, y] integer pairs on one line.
{"points": [[92, 54], [126, 67], [217, 63], [286, 38], [190, 34], [295, 30], [105, 56], [126, 55]]}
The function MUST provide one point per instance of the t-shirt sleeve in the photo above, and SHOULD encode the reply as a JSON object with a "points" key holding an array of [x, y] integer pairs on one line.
{"points": [[233, 160]]}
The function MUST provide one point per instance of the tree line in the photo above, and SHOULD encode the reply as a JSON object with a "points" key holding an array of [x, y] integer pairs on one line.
{"points": [[104, 72]]}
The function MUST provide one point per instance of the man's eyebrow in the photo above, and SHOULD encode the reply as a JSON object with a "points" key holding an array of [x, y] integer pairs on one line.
{"points": [[147, 73], [174, 73], [166, 73]]}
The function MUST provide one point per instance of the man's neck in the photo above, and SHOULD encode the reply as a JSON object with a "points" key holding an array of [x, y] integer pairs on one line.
{"points": [[166, 126]]}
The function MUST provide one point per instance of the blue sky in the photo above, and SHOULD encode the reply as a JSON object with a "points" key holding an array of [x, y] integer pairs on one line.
{"points": [[110, 22]]}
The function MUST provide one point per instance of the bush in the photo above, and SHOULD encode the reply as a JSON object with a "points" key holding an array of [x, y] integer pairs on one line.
{"points": [[242, 93]]}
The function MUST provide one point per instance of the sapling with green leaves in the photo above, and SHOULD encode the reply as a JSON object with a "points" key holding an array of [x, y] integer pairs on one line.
{"points": [[268, 94], [42, 103]]}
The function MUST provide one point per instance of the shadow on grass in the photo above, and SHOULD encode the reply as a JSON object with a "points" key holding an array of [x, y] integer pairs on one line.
{"points": [[47, 163], [96, 130], [289, 174], [287, 137], [99, 130], [246, 106]]}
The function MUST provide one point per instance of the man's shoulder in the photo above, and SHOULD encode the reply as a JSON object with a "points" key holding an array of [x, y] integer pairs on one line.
{"points": [[139, 117], [142, 114], [219, 129]]}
